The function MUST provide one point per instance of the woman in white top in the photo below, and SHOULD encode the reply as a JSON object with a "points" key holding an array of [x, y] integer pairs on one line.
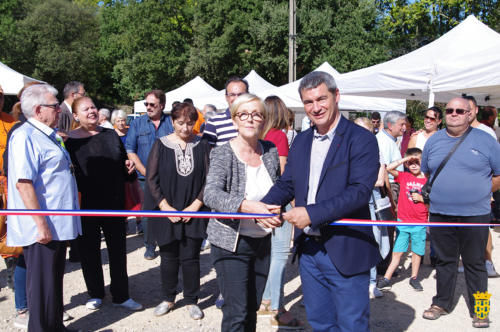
{"points": [[432, 123], [241, 172]]}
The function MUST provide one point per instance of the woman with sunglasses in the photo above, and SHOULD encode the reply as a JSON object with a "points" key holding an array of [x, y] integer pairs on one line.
{"points": [[241, 173], [175, 177], [432, 123], [101, 169]]}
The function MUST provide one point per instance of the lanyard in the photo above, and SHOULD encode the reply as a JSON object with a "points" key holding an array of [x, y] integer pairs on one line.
{"points": [[63, 150]]}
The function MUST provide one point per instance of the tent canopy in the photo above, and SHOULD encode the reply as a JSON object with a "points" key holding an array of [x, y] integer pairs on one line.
{"points": [[461, 61], [12, 81]]}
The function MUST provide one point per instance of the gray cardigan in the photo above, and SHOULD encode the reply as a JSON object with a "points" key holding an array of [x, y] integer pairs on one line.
{"points": [[225, 190]]}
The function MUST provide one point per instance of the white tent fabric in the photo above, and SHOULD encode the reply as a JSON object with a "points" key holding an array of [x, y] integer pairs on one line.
{"points": [[195, 89], [12, 81], [354, 103], [449, 66]]}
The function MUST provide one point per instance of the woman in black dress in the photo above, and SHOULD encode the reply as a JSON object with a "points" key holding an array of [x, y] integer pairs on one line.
{"points": [[101, 169], [175, 178]]}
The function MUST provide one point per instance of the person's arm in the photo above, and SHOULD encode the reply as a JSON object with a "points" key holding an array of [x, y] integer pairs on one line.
{"points": [[28, 195], [381, 176], [413, 140], [137, 162], [131, 147], [495, 183], [391, 168]]}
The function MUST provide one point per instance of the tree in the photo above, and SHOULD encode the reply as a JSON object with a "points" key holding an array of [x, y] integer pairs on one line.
{"points": [[145, 45], [55, 42]]}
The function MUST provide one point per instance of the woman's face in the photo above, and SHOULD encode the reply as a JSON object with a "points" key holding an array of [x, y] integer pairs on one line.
{"points": [[431, 121], [120, 124], [249, 119], [183, 127], [86, 113]]}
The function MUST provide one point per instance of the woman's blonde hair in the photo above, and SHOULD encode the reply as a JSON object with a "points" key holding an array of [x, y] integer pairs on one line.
{"points": [[364, 122], [277, 115], [246, 98]]}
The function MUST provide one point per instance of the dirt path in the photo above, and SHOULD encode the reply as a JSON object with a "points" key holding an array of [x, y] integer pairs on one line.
{"points": [[399, 310]]}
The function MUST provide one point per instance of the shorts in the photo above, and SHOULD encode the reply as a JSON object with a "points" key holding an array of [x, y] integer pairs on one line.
{"points": [[417, 236]]}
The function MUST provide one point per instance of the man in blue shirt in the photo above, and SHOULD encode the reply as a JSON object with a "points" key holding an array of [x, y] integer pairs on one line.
{"points": [[142, 133], [461, 193], [40, 177]]}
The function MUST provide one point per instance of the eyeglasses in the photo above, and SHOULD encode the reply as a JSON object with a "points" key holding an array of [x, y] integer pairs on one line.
{"points": [[459, 111], [431, 119], [235, 94], [150, 104], [53, 106], [83, 94], [256, 116]]}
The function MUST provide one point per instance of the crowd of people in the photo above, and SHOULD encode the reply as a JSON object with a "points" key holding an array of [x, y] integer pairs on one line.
{"points": [[248, 159]]}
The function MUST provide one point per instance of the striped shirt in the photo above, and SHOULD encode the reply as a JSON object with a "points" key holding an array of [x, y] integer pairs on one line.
{"points": [[220, 129]]}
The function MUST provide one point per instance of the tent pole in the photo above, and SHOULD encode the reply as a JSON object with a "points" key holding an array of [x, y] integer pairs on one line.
{"points": [[431, 98]]}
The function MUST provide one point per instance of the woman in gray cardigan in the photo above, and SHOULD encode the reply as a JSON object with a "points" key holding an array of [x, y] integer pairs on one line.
{"points": [[241, 173]]}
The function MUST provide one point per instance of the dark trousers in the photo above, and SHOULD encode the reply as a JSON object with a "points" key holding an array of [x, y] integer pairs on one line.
{"points": [[244, 275], [44, 285], [333, 301], [90, 249], [185, 253], [451, 242], [144, 221]]}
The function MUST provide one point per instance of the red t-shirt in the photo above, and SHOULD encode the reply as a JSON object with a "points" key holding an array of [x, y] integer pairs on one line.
{"points": [[407, 210], [279, 139]]}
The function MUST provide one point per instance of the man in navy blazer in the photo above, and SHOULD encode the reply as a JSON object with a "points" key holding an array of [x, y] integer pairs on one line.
{"points": [[330, 171]]}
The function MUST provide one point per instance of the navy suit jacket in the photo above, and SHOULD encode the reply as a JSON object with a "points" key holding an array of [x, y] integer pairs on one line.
{"points": [[346, 182]]}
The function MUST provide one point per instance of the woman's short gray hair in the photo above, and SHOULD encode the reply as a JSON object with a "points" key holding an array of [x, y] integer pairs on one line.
{"points": [[392, 117], [315, 78], [118, 114], [34, 96]]}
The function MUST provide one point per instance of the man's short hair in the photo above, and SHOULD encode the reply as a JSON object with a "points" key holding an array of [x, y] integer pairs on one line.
{"points": [[212, 107], [105, 112], [33, 96], [71, 87], [159, 94], [392, 117], [413, 152], [470, 98], [188, 100], [314, 79], [375, 116], [236, 79]]}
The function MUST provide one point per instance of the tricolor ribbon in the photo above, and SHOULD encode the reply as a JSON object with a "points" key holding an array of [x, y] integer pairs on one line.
{"points": [[221, 215]]}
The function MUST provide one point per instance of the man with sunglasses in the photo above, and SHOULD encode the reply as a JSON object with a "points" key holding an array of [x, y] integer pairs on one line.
{"points": [[220, 129], [461, 194], [72, 90], [142, 134]]}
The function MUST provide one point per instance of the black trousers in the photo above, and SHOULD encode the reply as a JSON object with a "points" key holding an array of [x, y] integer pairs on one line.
{"points": [[449, 244], [244, 275], [185, 253], [90, 248], [44, 285]]}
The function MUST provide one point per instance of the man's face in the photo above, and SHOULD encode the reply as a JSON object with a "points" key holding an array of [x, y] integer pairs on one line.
{"points": [[376, 123], [455, 120], [153, 107], [48, 113], [81, 93], [398, 128], [234, 90], [473, 111], [321, 106]]}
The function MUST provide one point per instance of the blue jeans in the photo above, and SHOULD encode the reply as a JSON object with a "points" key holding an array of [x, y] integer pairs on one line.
{"points": [[20, 299], [280, 248], [333, 301]]}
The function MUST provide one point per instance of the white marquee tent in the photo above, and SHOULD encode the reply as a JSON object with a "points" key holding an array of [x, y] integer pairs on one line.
{"points": [[464, 60], [12, 81]]}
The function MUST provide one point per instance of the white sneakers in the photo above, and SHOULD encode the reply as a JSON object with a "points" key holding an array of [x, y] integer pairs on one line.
{"points": [[129, 304], [375, 292], [93, 304], [490, 268]]}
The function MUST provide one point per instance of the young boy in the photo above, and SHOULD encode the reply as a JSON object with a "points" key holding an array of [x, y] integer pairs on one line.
{"points": [[411, 207]]}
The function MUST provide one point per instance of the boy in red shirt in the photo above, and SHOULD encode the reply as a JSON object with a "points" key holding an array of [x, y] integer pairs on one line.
{"points": [[411, 207]]}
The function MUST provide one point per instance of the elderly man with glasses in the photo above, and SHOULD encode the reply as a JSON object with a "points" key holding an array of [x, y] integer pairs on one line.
{"points": [[460, 193], [41, 177]]}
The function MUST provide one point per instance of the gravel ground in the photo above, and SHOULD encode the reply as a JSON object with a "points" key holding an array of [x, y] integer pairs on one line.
{"points": [[399, 310]]}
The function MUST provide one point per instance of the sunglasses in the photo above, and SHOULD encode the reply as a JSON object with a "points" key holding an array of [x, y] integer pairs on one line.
{"points": [[429, 118], [150, 104], [459, 111]]}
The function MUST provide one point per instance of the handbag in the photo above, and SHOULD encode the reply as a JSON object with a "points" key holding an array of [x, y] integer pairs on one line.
{"points": [[133, 195], [426, 189], [385, 213]]}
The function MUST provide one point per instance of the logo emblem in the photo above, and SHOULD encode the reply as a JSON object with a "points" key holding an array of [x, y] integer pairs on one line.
{"points": [[482, 304]]}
